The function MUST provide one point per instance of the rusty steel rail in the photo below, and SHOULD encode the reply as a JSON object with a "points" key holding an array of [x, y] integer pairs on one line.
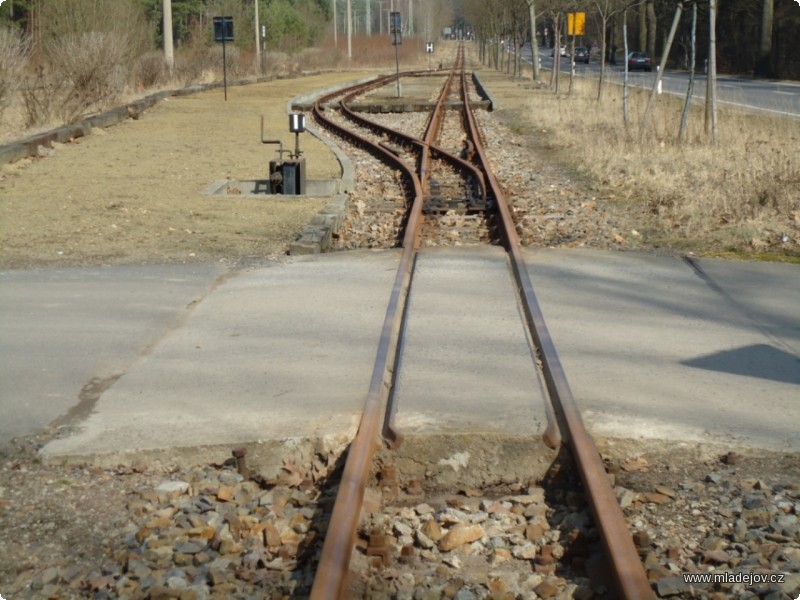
{"points": [[425, 146], [331, 579], [628, 571]]}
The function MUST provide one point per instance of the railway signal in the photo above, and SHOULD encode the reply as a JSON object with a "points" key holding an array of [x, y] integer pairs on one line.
{"points": [[223, 32], [396, 31]]}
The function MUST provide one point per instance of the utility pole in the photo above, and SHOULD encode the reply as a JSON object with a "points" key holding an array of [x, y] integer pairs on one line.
{"points": [[258, 44], [369, 18], [335, 27], [349, 30], [169, 51]]}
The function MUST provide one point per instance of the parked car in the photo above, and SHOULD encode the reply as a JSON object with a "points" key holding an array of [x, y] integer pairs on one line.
{"points": [[581, 55], [639, 60]]}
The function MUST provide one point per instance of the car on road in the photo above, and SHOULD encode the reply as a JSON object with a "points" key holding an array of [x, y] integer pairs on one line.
{"points": [[640, 60], [581, 55], [562, 51]]}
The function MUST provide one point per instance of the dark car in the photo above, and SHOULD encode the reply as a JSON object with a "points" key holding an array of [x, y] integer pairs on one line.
{"points": [[581, 55], [639, 60]]}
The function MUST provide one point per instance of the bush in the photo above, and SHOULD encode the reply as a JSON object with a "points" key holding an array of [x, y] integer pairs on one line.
{"points": [[94, 70], [14, 54], [42, 96], [151, 71]]}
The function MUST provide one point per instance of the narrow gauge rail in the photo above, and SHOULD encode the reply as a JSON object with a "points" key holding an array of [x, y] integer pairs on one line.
{"points": [[482, 193]]}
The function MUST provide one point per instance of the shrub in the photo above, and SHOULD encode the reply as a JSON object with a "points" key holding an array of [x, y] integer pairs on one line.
{"points": [[93, 68], [150, 71], [14, 54], [42, 96]]}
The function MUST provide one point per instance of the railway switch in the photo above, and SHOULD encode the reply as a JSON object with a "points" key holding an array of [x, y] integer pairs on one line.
{"points": [[287, 176]]}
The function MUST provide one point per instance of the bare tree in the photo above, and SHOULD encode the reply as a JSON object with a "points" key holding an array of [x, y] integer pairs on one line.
{"points": [[651, 26], [626, 117], [520, 27], [14, 55], [433, 15], [535, 74], [711, 81], [764, 63], [642, 15], [555, 79], [660, 72], [692, 61], [608, 10]]}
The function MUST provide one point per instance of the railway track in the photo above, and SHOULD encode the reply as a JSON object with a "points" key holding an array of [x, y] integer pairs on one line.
{"points": [[449, 192]]}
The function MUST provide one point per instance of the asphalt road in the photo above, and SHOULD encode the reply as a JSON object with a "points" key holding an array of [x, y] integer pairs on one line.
{"points": [[774, 97]]}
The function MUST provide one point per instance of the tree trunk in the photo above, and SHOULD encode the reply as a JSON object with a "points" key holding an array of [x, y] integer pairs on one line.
{"points": [[604, 29], [642, 27], [711, 86], [611, 46], [625, 111], [651, 27], [534, 42], [336, 26], [660, 73], [692, 60], [764, 62]]}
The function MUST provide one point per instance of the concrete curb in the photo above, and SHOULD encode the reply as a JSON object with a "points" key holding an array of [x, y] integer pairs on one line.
{"points": [[317, 235], [482, 91]]}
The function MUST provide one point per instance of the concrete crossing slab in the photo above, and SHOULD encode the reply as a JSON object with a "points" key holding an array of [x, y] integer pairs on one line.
{"points": [[466, 364], [652, 349], [67, 334], [653, 346], [277, 352]]}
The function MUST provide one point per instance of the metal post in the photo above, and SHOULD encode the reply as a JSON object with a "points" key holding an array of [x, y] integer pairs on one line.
{"points": [[395, 30], [224, 69], [263, 50], [397, 64]]}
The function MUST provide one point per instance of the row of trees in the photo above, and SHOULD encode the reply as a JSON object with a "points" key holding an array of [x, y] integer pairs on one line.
{"points": [[292, 24], [512, 20], [753, 36], [61, 59], [66, 58]]}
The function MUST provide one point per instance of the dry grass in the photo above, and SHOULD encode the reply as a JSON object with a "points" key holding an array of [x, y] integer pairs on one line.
{"points": [[740, 196]]}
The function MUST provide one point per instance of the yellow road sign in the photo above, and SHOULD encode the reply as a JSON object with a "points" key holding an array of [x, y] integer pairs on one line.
{"points": [[576, 23]]}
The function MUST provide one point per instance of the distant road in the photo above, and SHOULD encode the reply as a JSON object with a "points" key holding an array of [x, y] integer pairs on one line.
{"points": [[775, 97]]}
